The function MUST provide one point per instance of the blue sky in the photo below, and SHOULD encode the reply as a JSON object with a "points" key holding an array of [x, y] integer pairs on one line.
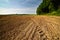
{"points": [[19, 6]]}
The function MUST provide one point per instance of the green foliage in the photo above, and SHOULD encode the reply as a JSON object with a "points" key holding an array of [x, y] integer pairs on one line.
{"points": [[48, 6]]}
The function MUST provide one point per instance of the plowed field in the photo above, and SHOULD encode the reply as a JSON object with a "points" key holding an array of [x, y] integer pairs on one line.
{"points": [[29, 27]]}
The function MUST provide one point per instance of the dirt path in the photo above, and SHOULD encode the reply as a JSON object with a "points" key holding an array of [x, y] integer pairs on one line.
{"points": [[29, 27]]}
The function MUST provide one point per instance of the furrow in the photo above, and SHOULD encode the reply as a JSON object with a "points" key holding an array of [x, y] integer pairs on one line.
{"points": [[28, 33], [30, 37], [23, 33]]}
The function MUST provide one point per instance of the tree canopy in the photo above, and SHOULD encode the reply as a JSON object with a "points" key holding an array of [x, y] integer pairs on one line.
{"points": [[48, 6]]}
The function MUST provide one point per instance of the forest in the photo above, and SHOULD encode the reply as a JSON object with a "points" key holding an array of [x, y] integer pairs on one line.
{"points": [[49, 7]]}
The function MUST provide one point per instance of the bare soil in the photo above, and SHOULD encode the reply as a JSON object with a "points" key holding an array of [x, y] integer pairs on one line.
{"points": [[29, 27]]}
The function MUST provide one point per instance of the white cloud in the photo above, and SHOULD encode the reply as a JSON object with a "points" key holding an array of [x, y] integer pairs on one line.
{"points": [[4, 11]]}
